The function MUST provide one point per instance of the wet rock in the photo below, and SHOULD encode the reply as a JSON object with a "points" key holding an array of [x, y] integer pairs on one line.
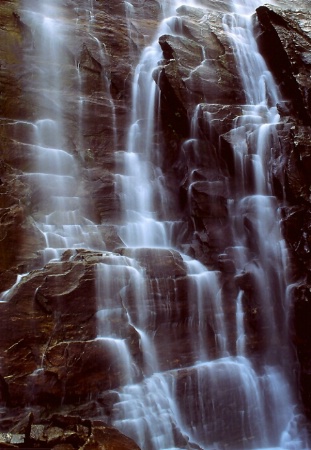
{"points": [[104, 74], [64, 432], [209, 199], [110, 438], [88, 62], [298, 164], [159, 263], [301, 314], [106, 202], [204, 60], [198, 67], [167, 304], [61, 359], [296, 223], [215, 120], [209, 382], [284, 39]]}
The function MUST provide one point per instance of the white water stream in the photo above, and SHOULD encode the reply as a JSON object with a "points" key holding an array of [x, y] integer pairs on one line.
{"points": [[213, 398], [55, 172], [216, 396]]}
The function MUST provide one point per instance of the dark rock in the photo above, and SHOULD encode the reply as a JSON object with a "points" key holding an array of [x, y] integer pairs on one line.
{"points": [[109, 438], [284, 40], [159, 263], [61, 359], [63, 432], [301, 315], [210, 383], [88, 62]]}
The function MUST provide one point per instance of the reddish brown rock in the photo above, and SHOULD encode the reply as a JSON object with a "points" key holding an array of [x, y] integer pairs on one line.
{"points": [[284, 38], [65, 432], [49, 338]]}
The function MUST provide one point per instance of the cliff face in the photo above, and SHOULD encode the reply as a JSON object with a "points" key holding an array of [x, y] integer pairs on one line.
{"points": [[284, 38], [51, 357]]}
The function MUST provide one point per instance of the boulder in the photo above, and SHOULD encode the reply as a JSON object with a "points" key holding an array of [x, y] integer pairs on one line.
{"points": [[57, 346], [284, 39], [65, 432]]}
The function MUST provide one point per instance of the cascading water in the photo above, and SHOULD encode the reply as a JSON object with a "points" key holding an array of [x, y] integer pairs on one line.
{"points": [[209, 394], [255, 203], [55, 171], [216, 394], [54, 176]]}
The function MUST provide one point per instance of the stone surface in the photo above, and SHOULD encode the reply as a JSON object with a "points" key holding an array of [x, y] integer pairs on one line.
{"points": [[66, 432], [284, 38], [56, 355]]}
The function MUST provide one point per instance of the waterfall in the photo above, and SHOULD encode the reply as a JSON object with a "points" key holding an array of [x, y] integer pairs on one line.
{"points": [[56, 173], [219, 394], [203, 375]]}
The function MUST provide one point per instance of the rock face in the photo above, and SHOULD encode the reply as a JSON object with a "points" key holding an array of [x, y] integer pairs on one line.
{"points": [[54, 339], [65, 432], [284, 37], [63, 351]]}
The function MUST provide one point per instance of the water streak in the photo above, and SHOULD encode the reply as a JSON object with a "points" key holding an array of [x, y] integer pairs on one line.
{"points": [[227, 398], [210, 395]]}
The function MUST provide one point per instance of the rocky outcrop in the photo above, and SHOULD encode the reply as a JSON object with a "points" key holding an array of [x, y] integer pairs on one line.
{"points": [[199, 65], [198, 68], [65, 432], [284, 38], [19, 239], [56, 355], [97, 65]]}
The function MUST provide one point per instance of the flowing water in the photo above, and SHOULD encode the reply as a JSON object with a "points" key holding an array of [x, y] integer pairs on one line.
{"points": [[212, 399], [215, 397], [55, 177]]}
